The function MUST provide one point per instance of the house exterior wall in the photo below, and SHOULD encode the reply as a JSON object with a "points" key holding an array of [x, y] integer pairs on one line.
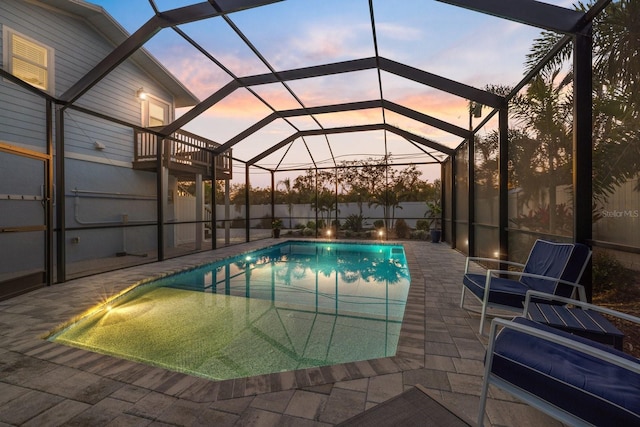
{"points": [[78, 48], [98, 153]]}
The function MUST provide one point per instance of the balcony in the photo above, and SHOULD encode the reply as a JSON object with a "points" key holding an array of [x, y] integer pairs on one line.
{"points": [[188, 155]]}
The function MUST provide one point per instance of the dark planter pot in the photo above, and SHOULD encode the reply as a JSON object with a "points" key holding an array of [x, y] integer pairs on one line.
{"points": [[435, 236], [276, 233]]}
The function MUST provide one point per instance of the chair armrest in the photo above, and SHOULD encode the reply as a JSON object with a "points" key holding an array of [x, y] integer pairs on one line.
{"points": [[578, 287], [583, 304], [633, 366], [473, 258]]}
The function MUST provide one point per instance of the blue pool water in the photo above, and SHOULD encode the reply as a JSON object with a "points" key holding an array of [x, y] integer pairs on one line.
{"points": [[290, 306]]}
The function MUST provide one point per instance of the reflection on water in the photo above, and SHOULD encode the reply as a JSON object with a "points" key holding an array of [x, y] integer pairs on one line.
{"points": [[330, 277], [309, 305]]}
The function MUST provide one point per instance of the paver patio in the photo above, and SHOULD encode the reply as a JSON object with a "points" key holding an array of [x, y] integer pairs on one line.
{"points": [[48, 384]]}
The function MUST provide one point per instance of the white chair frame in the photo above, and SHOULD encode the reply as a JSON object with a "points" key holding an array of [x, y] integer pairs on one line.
{"points": [[530, 398], [578, 290]]}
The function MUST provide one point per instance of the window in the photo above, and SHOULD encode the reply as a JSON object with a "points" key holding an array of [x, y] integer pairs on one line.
{"points": [[155, 112], [28, 60]]}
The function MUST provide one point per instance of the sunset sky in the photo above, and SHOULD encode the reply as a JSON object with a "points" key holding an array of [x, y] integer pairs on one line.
{"points": [[448, 41]]}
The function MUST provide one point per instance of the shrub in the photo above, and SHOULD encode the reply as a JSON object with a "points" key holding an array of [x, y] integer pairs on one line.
{"points": [[265, 222], [354, 222], [539, 219], [378, 223], [609, 273], [402, 229], [422, 224], [419, 234], [238, 222], [308, 231], [311, 224]]}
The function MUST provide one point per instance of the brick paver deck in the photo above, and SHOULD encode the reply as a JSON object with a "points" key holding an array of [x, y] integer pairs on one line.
{"points": [[48, 384]]}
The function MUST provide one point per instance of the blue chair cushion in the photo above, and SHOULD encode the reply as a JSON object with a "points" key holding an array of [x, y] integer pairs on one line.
{"points": [[596, 391], [547, 259], [557, 260], [505, 292]]}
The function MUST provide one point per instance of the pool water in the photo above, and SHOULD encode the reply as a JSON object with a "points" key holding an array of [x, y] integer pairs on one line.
{"points": [[290, 306]]}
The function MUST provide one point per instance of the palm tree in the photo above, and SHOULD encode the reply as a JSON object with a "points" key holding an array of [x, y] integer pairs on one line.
{"points": [[288, 190], [616, 91], [545, 110], [617, 95]]}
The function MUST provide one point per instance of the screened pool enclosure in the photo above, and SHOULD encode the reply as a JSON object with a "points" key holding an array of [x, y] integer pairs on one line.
{"points": [[496, 122]]}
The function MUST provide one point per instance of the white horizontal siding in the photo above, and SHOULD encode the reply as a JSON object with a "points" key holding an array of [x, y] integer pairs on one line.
{"points": [[83, 131], [78, 49], [22, 116]]}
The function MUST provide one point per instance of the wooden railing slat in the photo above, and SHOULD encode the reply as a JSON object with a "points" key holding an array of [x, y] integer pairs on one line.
{"points": [[185, 148]]}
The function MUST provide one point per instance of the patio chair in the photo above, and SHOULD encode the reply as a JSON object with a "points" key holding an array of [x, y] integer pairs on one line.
{"points": [[573, 379], [552, 268], [576, 317]]}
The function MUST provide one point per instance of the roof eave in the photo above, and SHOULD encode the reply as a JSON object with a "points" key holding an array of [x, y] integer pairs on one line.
{"points": [[106, 25]]}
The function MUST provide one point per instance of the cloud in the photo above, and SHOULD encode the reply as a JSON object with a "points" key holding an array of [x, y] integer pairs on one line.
{"points": [[398, 32], [314, 45]]}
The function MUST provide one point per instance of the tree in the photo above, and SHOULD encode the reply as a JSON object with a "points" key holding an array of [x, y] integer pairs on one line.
{"points": [[617, 96], [361, 178], [544, 110], [288, 196], [616, 91], [305, 186], [400, 186]]}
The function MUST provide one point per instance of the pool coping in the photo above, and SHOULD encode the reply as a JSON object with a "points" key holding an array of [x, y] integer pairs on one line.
{"points": [[409, 352]]}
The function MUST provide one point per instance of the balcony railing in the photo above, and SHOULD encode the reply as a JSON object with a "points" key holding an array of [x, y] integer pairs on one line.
{"points": [[186, 152]]}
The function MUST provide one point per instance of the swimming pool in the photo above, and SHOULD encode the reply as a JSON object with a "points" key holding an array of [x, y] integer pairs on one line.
{"points": [[290, 306]]}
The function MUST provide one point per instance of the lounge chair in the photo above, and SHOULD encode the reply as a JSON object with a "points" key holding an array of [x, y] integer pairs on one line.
{"points": [[576, 317], [573, 379], [552, 268]]}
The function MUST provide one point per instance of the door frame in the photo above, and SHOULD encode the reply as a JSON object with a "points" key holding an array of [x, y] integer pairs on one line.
{"points": [[29, 282]]}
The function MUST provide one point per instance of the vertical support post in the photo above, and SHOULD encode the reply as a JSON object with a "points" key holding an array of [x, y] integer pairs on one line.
{"points": [[503, 182], [454, 204], [471, 238], [273, 195], [316, 203], [160, 198], [214, 215], [199, 211], [213, 194], [247, 186], [443, 205], [583, 144], [227, 211], [335, 232], [48, 198], [61, 268], [385, 211]]}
